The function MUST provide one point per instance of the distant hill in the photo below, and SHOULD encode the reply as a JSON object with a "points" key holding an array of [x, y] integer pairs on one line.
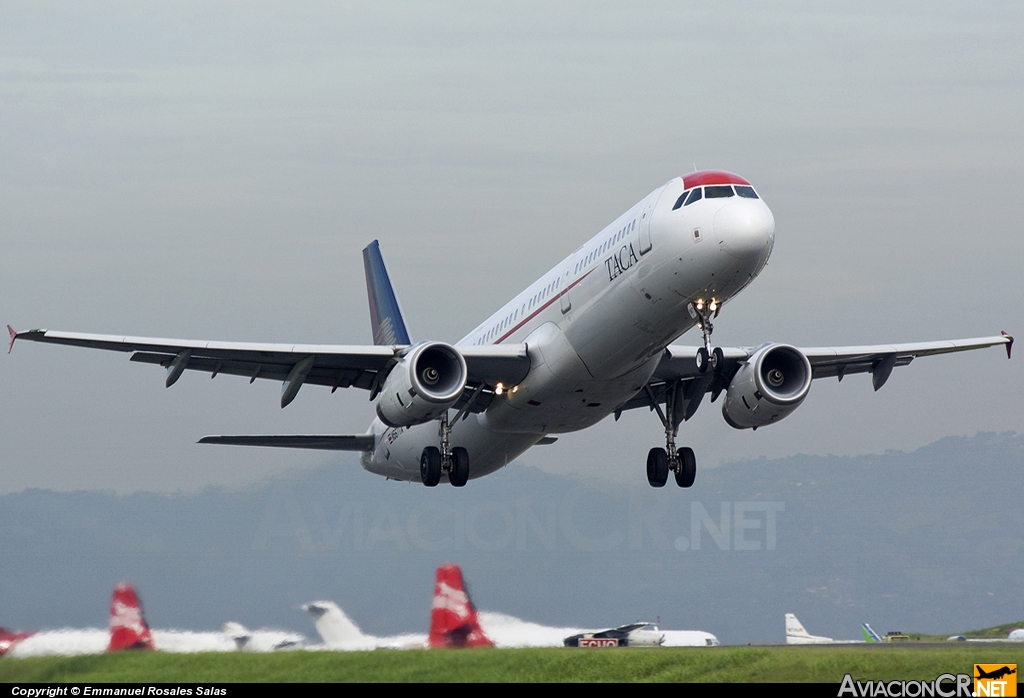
{"points": [[929, 541]]}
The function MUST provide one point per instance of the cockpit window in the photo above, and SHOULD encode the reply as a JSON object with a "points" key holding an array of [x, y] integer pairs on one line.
{"points": [[746, 192], [695, 195], [719, 191], [680, 200]]}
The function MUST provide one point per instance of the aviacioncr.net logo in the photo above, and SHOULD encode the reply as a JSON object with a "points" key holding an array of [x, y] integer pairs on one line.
{"points": [[945, 686]]}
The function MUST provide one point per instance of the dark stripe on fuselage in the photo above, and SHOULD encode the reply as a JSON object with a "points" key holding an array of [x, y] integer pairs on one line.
{"points": [[554, 298]]}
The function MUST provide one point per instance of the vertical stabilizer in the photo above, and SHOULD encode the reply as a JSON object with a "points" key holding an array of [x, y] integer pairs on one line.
{"points": [[128, 629], [385, 314], [8, 640], [794, 628], [337, 630], [869, 634], [453, 618]]}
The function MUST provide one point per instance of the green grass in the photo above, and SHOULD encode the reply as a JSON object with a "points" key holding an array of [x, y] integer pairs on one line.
{"points": [[714, 664]]}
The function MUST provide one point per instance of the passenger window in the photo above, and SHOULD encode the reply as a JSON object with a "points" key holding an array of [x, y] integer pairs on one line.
{"points": [[719, 192], [746, 192], [695, 195]]}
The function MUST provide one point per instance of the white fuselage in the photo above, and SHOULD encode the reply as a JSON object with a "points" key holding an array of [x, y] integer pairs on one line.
{"points": [[595, 326]]}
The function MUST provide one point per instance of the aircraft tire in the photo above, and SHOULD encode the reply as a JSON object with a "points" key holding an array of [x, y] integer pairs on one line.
{"points": [[717, 358], [430, 466], [657, 467], [687, 471], [703, 360], [459, 474]]}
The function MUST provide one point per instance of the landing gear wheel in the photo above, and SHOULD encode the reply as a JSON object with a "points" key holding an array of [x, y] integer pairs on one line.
{"points": [[430, 466], [686, 471], [459, 474], [702, 360], [657, 467], [717, 358]]}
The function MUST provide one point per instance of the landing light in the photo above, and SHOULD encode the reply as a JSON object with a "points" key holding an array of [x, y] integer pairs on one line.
{"points": [[499, 389], [714, 306]]}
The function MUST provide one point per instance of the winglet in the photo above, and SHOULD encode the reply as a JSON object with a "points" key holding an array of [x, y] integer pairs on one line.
{"points": [[385, 314], [1009, 345], [14, 336]]}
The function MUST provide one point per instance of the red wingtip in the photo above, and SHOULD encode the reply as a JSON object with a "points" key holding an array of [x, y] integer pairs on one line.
{"points": [[453, 619], [14, 336], [1009, 345], [128, 628]]}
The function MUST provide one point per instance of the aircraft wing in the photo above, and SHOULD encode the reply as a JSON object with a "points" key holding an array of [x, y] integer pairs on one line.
{"points": [[678, 363], [337, 366]]}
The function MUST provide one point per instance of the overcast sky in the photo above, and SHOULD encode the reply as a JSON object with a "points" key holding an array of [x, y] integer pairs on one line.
{"points": [[213, 171]]}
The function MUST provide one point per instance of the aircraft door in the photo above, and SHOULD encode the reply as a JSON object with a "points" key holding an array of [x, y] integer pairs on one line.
{"points": [[564, 290], [644, 227]]}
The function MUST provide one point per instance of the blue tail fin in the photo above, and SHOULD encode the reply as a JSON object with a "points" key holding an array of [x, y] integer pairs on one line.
{"points": [[869, 634], [385, 315]]}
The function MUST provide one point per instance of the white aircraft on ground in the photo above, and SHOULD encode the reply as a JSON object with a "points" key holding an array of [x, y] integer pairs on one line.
{"points": [[589, 339], [796, 634]]}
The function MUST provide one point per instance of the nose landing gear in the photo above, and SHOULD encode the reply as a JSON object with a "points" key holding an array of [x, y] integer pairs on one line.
{"points": [[707, 358]]}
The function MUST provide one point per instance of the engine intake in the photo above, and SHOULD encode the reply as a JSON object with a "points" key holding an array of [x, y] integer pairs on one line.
{"points": [[426, 383], [769, 386]]}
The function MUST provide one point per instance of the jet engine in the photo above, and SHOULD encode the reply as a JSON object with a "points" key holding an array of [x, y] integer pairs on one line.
{"points": [[427, 381], [769, 385]]}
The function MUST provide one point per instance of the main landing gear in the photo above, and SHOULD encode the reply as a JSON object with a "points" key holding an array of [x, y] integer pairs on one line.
{"points": [[454, 461], [681, 461]]}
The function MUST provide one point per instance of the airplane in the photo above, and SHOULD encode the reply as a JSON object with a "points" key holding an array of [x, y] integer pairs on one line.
{"points": [[632, 635], [1016, 635], [796, 634], [128, 630], [995, 673], [340, 633], [455, 622], [590, 338], [642, 635]]}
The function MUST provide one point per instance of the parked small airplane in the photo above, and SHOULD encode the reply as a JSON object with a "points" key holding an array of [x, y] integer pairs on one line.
{"points": [[796, 634], [589, 339]]}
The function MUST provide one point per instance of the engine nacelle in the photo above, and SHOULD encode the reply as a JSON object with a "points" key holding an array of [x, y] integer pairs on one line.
{"points": [[771, 384], [426, 382]]}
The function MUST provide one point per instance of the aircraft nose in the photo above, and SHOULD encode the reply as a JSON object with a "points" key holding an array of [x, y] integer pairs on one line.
{"points": [[745, 229]]}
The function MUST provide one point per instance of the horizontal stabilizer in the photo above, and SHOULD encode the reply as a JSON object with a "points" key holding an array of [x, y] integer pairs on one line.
{"points": [[322, 442]]}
